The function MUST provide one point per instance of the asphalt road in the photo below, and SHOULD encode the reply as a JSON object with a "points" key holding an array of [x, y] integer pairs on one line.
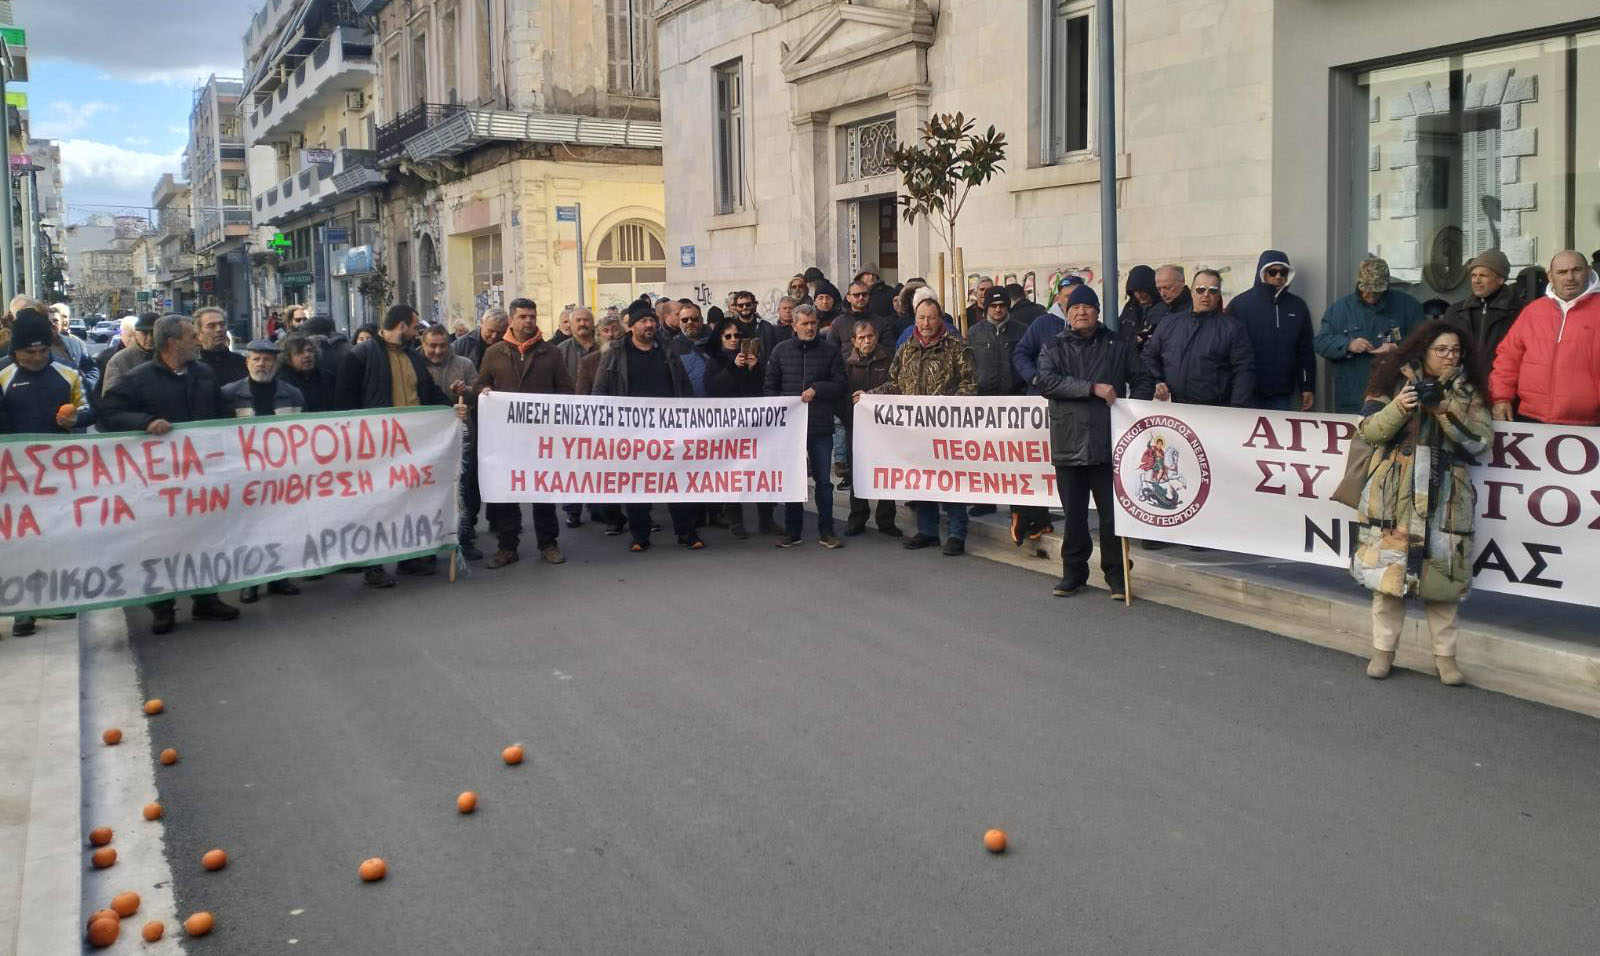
{"points": [[747, 750]]}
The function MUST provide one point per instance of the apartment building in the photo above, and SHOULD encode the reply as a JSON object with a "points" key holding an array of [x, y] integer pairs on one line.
{"points": [[175, 286]]}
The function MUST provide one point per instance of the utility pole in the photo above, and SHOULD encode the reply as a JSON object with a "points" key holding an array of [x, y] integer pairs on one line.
{"points": [[30, 235], [8, 252], [1108, 161]]}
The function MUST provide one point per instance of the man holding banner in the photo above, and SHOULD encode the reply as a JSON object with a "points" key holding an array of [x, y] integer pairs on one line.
{"points": [[1083, 372], [809, 366]]}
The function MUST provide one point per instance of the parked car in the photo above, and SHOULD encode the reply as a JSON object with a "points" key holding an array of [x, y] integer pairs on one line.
{"points": [[104, 331], [76, 327]]}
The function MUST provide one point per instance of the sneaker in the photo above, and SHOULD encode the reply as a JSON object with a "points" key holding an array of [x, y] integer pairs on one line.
{"points": [[249, 595], [827, 540], [654, 527], [854, 528], [738, 531], [214, 609], [1016, 529], [918, 541], [502, 558], [892, 531], [954, 547], [978, 511], [615, 529], [639, 547], [164, 621], [784, 541], [1065, 588], [377, 578], [691, 541], [552, 555], [285, 587], [23, 626]]}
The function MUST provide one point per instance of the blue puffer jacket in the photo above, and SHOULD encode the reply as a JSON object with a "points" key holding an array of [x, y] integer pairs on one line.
{"points": [[1279, 323]]}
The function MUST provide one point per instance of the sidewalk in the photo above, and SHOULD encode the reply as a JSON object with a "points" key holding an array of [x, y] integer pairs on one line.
{"points": [[1543, 651], [41, 840]]}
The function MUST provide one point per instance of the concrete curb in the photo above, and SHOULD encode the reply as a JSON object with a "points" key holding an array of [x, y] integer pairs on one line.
{"points": [[48, 886], [1523, 664]]}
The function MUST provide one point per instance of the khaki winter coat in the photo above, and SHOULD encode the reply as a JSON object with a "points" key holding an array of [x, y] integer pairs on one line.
{"points": [[1418, 504], [943, 368]]}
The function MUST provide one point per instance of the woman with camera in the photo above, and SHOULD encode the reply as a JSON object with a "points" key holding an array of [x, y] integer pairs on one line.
{"points": [[736, 368], [1427, 419]]}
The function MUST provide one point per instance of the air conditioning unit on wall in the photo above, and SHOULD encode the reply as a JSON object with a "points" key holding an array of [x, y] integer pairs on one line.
{"points": [[367, 209], [355, 100]]}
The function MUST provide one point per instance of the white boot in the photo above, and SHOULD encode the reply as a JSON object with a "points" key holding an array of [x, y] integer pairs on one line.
{"points": [[1380, 665]]}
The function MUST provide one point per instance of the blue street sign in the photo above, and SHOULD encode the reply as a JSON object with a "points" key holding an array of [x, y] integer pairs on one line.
{"points": [[686, 256], [336, 235], [566, 214]]}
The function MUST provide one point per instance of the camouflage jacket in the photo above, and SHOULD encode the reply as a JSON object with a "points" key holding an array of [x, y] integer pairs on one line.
{"points": [[943, 368]]}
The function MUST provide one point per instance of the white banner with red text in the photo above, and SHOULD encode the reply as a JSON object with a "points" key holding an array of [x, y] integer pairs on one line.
{"points": [[573, 449], [971, 449], [1258, 483], [92, 521]]}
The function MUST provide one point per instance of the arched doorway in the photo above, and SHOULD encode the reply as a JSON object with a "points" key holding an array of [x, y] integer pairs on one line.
{"points": [[630, 260], [427, 273]]}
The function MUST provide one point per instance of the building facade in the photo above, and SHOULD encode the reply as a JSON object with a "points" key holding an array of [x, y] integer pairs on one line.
{"points": [[217, 164], [309, 73], [99, 254], [502, 122], [1240, 126]]}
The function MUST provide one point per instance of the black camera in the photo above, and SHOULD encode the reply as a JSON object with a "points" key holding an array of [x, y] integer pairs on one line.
{"points": [[1429, 391]]}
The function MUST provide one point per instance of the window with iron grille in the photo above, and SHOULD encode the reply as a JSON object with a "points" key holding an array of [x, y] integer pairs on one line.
{"points": [[866, 149], [728, 94], [631, 47]]}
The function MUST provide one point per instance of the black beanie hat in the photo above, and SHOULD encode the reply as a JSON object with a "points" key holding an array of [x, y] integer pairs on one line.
{"points": [[31, 330]]}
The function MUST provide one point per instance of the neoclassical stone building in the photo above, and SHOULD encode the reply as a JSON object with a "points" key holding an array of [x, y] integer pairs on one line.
{"points": [[1329, 128]]}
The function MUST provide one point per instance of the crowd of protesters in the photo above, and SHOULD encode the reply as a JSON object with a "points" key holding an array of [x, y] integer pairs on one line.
{"points": [[1510, 350]]}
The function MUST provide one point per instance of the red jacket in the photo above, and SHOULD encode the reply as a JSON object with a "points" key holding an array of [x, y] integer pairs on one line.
{"points": [[1549, 363]]}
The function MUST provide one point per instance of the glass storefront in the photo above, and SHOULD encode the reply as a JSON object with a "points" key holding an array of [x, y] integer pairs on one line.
{"points": [[1457, 154]]}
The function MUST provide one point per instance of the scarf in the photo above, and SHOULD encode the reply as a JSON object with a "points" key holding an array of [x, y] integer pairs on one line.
{"points": [[927, 343], [532, 340]]}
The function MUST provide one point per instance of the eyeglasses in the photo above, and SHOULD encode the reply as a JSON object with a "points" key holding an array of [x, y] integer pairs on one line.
{"points": [[856, 295], [1276, 273], [744, 305], [1445, 349], [731, 336], [1208, 290]]}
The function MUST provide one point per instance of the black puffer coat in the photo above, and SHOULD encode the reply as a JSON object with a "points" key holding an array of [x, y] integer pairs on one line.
{"points": [[150, 391], [797, 365], [1069, 368]]}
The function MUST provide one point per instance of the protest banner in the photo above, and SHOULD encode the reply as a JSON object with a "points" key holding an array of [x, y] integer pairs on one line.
{"points": [[1258, 482], [970, 449], [605, 449], [91, 521]]}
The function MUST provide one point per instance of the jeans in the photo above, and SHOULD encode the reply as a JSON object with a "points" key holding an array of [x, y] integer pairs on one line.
{"points": [[819, 461], [928, 519], [639, 520], [1076, 483], [505, 520]]}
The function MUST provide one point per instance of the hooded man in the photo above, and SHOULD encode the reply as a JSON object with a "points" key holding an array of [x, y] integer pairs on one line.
{"points": [[828, 303], [1134, 323], [211, 324], [1023, 309], [1548, 366], [1370, 321], [1493, 305], [1279, 323], [880, 297]]}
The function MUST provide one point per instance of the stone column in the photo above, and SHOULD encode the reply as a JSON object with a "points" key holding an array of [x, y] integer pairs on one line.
{"points": [[811, 163], [918, 243]]}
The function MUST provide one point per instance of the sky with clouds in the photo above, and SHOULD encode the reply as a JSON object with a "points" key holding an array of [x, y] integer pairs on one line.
{"points": [[112, 81]]}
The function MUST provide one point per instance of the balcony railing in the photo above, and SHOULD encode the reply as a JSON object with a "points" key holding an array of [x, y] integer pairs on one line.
{"points": [[392, 135], [341, 64], [351, 171]]}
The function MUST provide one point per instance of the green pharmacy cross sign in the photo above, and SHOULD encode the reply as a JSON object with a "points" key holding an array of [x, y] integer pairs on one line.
{"points": [[279, 242]]}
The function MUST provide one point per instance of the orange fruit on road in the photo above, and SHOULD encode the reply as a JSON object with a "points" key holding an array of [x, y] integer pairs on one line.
{"points": [[374, 869], [99, 836], [199, 924], [125, 904], [512, 755], [103, 932], [112, 737], [103, 857], [154, 706], [169, 757], [153, 811], [100, 915], [153, 930], [995, 841], [467, 802], [214, 860]]}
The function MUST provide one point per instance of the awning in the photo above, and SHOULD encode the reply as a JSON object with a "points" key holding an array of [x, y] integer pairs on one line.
{"points": [[469, 129]]}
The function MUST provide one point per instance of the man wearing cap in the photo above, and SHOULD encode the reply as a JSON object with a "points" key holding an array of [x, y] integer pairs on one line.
{"points": [[1370, 321], [641, 367], [135, 351], [263, 392], [994, 341], [211, 324], [1083, 372], [1548, 367], [1279, 323], [171, 387], [1204, 356], [1493, 305], [1043, 330], [38, 396]]}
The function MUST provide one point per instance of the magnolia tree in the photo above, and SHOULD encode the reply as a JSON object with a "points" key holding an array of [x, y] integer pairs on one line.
{"points": [[939, 172]]}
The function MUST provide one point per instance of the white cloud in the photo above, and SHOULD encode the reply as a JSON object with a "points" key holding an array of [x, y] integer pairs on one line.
{"points": [[96, 171], [137, 142], [190, 38], [62, 119], [178, 130]]}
